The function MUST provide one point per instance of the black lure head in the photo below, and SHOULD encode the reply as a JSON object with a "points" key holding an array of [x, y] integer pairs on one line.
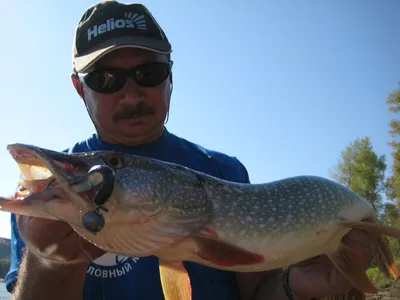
{"points": [[106, 186], [94, 220]]}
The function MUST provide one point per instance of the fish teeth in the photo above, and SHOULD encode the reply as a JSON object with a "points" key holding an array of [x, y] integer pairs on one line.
{"points": [[26, 186]]}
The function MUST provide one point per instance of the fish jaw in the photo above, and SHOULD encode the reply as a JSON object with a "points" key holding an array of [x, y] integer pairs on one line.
{"points": [[47, 187]]}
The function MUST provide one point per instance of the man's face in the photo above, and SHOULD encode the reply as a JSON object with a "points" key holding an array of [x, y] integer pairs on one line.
{"points": [[133, 111]]}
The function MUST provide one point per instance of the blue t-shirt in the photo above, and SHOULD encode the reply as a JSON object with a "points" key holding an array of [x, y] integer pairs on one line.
{"points": [[115, 277]]}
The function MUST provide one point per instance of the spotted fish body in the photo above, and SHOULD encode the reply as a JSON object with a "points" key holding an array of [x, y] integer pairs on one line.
{"points": [[178, 214], [285, 221]]}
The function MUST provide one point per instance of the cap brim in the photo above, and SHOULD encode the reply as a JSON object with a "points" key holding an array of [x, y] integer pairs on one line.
{"points": [[85, 62]]}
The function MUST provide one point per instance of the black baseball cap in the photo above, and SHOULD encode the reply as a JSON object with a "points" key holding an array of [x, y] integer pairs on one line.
{"points": [[110, 25]]}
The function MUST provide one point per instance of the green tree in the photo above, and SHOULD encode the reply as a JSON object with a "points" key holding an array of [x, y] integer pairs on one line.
{"points": [[393, 181], [391, 210], [361, 170], [390, 216]]}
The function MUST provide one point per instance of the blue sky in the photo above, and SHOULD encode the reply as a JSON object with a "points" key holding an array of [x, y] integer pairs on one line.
{"points": [[282, 85]]}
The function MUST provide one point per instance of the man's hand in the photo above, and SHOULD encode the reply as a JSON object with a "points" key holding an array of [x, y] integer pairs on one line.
{"points": [[318, 277], [56, 257], [55, 242]]}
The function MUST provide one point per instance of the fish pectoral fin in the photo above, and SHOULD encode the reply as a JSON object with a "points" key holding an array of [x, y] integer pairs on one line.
{"points": [[175, 280], [382, 255], [344, 259], [223, 254], [353, 294]]}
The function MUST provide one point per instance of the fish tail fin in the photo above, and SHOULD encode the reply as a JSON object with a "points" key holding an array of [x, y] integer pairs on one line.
{"points": [[353, 294], [382, 255], [175, 281], [383, 258], [343, 259]]}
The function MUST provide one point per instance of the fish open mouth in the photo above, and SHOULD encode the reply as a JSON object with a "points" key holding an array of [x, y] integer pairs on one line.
{"points": [[48, 175]]}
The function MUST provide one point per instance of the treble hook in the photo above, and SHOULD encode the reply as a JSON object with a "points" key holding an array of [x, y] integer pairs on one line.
{"points": [[94, 220]]}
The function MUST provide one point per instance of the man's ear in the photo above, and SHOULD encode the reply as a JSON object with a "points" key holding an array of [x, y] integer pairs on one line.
{"points": [[77, 84]]}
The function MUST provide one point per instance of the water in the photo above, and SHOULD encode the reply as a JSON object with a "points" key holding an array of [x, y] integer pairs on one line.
{"points": [[4, 295]]}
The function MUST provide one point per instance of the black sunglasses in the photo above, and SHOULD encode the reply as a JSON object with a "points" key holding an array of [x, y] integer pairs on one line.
{"points": [[109, 81]]}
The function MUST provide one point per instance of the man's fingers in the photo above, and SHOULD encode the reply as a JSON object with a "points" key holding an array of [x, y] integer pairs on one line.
{"points": [[363, 238], [82, 251], [56, 240], [361, 242], [42, 231], [313, 261]]}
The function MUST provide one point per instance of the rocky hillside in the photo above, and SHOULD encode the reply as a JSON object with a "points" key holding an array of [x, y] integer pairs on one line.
{"points": [[5, 254], [4, 248]]}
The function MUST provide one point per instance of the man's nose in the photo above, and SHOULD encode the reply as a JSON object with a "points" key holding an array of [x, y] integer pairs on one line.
{"points": [[132, 93]]}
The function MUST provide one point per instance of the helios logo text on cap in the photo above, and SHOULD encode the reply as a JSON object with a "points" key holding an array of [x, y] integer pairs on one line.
{"points": [[131, 21]]}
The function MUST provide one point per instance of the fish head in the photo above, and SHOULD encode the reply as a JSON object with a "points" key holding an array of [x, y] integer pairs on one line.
{"points": [[68, 186], [122, 203]]}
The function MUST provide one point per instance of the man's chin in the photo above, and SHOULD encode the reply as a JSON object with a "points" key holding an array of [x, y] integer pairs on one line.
{"points": [[134, 121], [134, 127]]}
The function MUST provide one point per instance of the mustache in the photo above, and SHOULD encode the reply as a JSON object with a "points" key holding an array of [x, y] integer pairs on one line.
{"points": [[139, 110]]}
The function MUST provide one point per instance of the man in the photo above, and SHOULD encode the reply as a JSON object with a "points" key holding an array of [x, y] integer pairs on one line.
{"points": [[122, 72]]}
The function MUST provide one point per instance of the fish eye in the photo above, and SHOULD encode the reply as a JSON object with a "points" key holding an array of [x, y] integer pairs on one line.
{"points": [[115, 161]]}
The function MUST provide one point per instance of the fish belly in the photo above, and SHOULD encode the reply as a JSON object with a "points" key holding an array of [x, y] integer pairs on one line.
{"points": [[282, 249]]}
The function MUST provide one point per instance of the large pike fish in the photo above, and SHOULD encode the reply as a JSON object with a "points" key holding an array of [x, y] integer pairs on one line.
{"points": [[137, 206]]}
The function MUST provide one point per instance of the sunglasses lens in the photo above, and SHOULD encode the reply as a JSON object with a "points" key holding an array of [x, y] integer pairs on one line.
{"points": [[150, 75], [105, 81]]}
